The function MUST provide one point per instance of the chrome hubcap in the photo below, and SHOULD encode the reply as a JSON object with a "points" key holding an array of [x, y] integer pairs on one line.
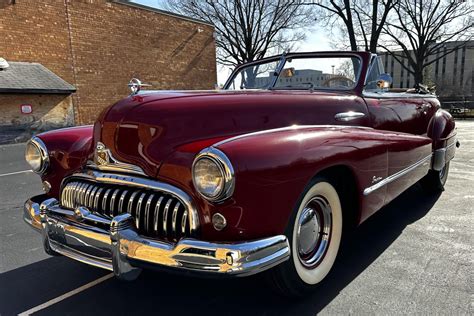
{"points": [[314, 231]]}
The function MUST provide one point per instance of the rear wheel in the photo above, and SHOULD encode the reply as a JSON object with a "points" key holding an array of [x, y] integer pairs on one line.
{"points": [[314, 233], [434, 181]]}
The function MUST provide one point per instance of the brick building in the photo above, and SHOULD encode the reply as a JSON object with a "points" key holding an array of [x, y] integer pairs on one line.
{"points": [[97, 46]]}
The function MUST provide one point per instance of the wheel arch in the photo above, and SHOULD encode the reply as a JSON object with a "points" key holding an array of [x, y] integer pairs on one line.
{"points": [[344, 179]]}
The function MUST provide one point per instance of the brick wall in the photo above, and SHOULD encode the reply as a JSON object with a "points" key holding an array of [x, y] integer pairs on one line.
{"points": [[99, 45]]}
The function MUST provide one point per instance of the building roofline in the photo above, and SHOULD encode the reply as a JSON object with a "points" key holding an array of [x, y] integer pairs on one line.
{"points": [[36, 91], [164, 12]]}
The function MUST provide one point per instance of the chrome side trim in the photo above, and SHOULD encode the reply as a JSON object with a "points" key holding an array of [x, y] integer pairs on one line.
{"points": [[282, 129], [396, 175], [348, 116]]}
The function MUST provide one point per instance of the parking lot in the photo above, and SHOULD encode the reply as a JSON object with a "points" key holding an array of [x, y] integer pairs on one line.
{"points": [[414, 256]]}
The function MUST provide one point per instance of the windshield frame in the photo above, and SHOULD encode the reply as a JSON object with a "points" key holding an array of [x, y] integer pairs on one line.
{"points": [[282, 61]]}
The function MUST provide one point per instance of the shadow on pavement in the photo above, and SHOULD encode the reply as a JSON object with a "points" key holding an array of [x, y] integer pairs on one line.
{"points": [[164, 294]]}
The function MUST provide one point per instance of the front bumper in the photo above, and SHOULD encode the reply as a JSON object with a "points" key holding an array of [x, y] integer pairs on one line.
{"points": [[115, 244]]}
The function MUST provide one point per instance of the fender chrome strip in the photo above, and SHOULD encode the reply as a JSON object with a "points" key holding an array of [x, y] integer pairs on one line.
{"points": [[396, 175], [282, 129]]}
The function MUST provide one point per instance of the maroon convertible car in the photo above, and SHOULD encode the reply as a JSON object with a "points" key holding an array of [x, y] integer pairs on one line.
{"points": [[267, 174]]}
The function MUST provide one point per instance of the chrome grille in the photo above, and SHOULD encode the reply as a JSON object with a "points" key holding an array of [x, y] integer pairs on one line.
{"points": [[157, 214]]}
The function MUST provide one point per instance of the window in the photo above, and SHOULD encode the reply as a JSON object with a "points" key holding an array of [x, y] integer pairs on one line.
{"points": [[374, 74]]}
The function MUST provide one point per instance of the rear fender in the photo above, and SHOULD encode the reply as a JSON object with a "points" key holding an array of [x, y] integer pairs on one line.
{"points": [[442, 131]]}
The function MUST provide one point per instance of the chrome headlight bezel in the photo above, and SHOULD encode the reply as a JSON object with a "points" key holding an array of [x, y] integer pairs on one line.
{"points": [[226, 169], [43, 153]]}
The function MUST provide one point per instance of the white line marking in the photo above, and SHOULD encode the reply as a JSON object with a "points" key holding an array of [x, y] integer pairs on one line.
{"points": [[16, 172], [66, 295]]}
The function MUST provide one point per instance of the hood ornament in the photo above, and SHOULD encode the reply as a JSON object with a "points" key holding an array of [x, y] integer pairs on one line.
{"points": [[136, 85], [104, 160]]}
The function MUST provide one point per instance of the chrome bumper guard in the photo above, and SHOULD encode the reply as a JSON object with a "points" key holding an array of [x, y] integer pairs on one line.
{"points": [[115, 244]]}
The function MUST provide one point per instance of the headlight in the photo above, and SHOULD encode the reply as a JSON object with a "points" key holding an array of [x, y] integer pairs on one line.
{"points": [[213, 175], [36, 155]]}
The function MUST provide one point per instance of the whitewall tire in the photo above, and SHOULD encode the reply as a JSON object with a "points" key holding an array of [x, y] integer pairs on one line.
{"points": [[321, 198], [314, 232]]}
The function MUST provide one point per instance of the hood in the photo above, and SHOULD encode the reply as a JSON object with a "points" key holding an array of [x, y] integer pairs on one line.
{"points": [[145, 129]]}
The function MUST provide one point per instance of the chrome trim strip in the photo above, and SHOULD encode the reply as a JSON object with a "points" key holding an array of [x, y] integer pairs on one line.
{"points": [[282, 129], [396, 175], [348, 116]]}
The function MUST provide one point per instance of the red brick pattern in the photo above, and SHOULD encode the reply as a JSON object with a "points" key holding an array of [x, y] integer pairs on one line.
{"points": [[98, 45]]}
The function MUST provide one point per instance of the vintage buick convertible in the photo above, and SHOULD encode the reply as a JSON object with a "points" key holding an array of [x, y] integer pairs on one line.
{"points": [[268, 173]]}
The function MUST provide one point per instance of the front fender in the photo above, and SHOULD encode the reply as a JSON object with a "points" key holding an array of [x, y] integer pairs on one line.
{"points": [[272, 168], [68, 149]]}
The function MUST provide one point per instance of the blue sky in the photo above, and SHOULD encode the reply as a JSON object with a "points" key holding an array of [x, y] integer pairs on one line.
{"points": [[316, 40]]}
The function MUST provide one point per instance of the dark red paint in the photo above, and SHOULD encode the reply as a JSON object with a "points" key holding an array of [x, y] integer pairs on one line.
{"points": [[163, 132]]}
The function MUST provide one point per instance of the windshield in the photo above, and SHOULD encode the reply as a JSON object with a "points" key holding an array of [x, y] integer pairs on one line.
{"points": [[335, 73]]}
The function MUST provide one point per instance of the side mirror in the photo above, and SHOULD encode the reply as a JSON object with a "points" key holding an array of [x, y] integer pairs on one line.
{"points": [[384, 81]]}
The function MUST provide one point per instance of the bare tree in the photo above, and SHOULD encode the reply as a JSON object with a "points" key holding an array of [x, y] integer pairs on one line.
{"points": [[247, 30], [362, 21], [421, 29]]}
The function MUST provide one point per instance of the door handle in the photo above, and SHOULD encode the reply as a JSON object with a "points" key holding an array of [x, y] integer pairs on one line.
{"points": [[348, 116]]}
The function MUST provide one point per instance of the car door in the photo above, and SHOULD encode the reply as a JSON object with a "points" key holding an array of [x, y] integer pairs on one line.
{"points": [[391, 111]]}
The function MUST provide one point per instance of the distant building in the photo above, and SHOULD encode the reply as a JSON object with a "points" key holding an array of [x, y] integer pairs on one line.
{"points": [[297, 77], [452, 74]]}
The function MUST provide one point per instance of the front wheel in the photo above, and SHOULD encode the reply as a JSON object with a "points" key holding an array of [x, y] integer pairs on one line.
{"points": [[314, 233]]}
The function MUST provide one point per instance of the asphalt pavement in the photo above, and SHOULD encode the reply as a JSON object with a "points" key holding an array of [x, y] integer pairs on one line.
{"points": [[415, 256]]}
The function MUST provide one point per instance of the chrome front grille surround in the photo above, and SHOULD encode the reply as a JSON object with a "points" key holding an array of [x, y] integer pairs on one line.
{"points": [[157, 213]]}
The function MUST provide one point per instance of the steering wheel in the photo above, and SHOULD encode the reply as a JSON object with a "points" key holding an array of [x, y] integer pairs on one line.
{"points": [[327, 83]]}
